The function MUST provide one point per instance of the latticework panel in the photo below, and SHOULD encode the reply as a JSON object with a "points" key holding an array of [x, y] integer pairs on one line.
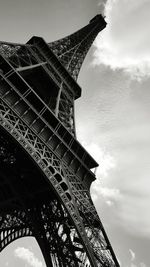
{"points": [[28, 58], [53, 204], [72, 49], [12, 227], [66, 184]]}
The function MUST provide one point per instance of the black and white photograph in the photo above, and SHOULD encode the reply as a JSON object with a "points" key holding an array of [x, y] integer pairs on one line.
{"points": [[74, 133]]}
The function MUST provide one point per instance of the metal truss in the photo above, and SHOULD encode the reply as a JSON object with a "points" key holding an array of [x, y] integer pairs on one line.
{"points": [[59, 213], [23, 58], [45, 159], [66, 185], [12, 227], [71, 52], [72, 49]]}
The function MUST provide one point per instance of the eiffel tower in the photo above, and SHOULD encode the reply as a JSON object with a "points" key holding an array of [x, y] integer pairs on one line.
{"points": [[45, 173]]}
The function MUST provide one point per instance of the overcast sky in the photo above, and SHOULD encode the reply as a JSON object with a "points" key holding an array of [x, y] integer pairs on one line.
{"points": [[112, 116]]}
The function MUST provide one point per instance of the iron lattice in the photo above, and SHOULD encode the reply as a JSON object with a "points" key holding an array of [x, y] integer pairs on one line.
{"points": [[45, 173]]}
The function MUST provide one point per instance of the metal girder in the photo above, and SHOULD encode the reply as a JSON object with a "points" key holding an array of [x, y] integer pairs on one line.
{"points": [[57, 174], [49, 223], [27, 58], [54, 174], [72, 49], [54, 205], [12, 227]]}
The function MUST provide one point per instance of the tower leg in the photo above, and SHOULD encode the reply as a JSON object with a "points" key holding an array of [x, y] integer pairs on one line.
{"points": [[57, 237]]}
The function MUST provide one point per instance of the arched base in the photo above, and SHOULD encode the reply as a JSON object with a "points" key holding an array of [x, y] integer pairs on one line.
{"points": [[22, 251], [29, 207]]}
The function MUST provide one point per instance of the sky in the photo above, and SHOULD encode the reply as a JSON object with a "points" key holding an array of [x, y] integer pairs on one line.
{"points": [[112, 116]]}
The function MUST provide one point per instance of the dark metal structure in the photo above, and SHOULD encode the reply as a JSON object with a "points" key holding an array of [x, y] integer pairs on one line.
{"points": [[45, 174]]}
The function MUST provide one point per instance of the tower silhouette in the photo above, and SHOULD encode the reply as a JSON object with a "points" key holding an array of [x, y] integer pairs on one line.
{"points": [[45, 173]]}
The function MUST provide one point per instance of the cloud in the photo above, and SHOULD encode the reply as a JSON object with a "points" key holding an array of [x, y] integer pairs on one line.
{"points": [[133, 260], [122, 180], [142, 264], [103, 158], [28, 256], [109, 203], [101, 5], [132, 254], [125, 43], [132, 179], [107, 163], [110, 195]]}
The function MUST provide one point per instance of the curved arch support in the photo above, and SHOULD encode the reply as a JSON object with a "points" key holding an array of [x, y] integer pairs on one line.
{"points": [[7, 236]]}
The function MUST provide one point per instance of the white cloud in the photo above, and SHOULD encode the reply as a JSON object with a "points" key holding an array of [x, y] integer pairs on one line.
{"points": [[28, 256], [125, 43], [142, 264], [133, 260], [110, 195], [102, 4], [106, 161], [109, 203], [132, 254]]}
